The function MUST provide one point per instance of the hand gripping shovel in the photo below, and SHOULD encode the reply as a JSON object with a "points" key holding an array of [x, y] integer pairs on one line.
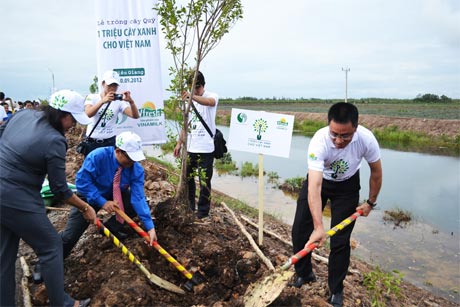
{"points": [[152, 277], [265, 292], [194, 279]]}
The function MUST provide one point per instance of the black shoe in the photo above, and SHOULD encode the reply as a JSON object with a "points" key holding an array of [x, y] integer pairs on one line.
{"points": [[300, 281], [119, 234], [336, 299], [37, 274], [84, 303]]}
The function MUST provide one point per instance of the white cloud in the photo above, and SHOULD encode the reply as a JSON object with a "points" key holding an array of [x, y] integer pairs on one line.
{"points": [[283, 49]]}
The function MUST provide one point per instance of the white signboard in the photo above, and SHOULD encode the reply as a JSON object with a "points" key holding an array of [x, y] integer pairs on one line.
{"points": [[127, 41], [261, 132]]}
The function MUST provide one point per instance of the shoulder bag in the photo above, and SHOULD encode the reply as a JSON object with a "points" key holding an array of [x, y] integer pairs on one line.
{"points": [[219, 142], [85, 146]]}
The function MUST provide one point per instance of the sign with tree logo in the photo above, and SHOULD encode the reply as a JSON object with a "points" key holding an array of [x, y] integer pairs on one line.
{"points": [[261, 132]]}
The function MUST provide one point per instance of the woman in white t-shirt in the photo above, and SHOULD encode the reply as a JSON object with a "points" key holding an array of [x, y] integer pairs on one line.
{"points": [[116, 104]]}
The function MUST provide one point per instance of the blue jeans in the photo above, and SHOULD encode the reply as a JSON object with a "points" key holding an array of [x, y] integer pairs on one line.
{"points": [[205, 162], [38, 232]]}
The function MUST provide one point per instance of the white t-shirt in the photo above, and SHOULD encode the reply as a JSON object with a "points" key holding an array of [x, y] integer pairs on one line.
{"points": [[199, 140], [106, 127], [339, 164], [3, 115]]}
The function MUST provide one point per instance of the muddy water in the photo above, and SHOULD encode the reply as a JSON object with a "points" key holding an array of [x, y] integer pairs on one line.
{"points": [[426, 251]]}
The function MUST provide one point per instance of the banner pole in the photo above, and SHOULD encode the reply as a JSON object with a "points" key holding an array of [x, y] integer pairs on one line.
{"points": [[261, 199]]}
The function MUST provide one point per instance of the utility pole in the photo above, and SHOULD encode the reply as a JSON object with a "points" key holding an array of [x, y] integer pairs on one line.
{"points": [[346, 70], [52, 76]]}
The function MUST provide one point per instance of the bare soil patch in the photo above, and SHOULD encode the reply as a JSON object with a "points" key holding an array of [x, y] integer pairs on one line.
{"points": [[216, 249]]}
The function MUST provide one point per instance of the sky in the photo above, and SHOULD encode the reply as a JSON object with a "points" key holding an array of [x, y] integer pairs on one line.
{"points": [[283, 49]]}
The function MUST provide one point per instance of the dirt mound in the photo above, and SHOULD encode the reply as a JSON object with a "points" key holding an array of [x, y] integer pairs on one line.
{"points": [[215, 249]]}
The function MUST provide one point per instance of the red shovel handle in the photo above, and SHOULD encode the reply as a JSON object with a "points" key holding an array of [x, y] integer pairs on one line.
{"points": [[305, 251]]}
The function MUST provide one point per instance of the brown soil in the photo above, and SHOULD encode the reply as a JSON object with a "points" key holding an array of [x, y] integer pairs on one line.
{"points": [[432, 127], [215, 249]]}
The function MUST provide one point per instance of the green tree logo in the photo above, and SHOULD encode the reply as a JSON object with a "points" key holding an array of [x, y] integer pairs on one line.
{"points": [[260, 126], [107, 116], [339, 167], [58, 102]]}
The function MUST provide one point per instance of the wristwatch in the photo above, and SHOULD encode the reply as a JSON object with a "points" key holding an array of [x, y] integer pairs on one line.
{"points": [[371, 203]]}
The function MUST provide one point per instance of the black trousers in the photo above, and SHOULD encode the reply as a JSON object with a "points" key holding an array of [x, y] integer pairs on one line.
{"points": [[200, 161], [344, 197]]}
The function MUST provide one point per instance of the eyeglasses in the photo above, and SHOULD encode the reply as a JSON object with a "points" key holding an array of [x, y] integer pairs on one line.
{"points": [[344, 137]]}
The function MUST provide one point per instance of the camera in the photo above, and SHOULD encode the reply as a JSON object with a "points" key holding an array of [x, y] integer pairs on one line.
{"points": [[118, 96]]}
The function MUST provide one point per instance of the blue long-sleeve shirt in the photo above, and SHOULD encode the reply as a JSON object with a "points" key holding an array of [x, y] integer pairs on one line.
{"points": [[94, 180]]}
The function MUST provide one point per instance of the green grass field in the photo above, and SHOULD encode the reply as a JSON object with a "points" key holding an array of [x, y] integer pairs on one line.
{"points": [[402, 109]]}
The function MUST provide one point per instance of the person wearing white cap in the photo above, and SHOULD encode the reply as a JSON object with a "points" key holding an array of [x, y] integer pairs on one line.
{"points": [[26, 157], [95, 104], [94, 182]]}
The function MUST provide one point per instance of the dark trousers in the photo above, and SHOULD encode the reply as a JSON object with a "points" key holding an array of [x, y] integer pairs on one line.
{"points": [[38, 232], [76, 224], [344, 197], [197, 162]]}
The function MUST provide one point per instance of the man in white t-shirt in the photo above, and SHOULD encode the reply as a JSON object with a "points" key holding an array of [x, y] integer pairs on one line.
{"points": [[334, 158], [200, 144], [116, 103]]}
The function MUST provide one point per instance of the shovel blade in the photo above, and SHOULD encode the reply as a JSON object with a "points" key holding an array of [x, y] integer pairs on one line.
{"points": [[165, 284], [266, 290]]}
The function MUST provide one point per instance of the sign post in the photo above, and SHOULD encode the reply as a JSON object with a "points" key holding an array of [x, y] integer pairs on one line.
{"points": [[262, 133]]}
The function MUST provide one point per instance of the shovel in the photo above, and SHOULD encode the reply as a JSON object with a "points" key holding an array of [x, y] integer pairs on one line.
{"points": [[195, 279], [152, 277], [263, 293]]}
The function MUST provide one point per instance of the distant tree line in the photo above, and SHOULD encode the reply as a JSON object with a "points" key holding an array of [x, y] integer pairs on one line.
{"points": [[426, 98], [432, 98]]}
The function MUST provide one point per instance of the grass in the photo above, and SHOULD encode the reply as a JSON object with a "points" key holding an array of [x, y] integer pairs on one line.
{"points": [[249, 170], [225, 164], [380, 284], [399, 108], [397, 216]]}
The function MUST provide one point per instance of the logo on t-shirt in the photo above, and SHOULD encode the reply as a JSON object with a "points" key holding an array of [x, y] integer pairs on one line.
{"points": [[312, 157], [339, 167]]}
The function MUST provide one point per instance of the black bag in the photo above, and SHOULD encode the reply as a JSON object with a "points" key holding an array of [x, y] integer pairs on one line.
{"points": [[219, 142], [219, 145], [82, 148], [86, 146]]}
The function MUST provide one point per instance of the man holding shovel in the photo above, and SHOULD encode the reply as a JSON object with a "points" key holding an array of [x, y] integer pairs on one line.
{"points": [[334, 158], [95, 181]]}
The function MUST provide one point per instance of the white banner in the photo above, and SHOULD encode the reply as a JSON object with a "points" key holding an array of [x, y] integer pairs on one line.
{"points": [[127, 42], [261, 132]]}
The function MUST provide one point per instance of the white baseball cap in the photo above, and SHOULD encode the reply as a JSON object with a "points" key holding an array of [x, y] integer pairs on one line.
{"points": [[131, 143], [72, 102], [110, 77]]}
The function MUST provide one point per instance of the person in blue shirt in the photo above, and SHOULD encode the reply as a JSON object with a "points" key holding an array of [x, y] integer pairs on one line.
{"points": [[94, 182]]}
